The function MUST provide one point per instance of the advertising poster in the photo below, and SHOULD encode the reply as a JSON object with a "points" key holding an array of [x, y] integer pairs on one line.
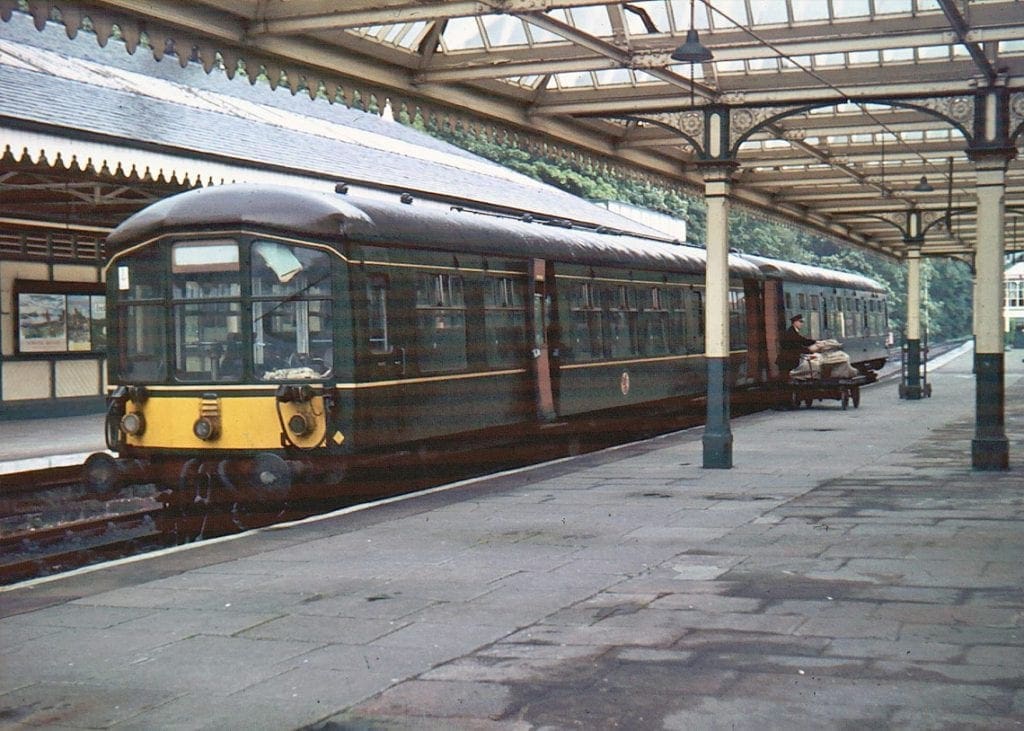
{"points": [[42, 323]]}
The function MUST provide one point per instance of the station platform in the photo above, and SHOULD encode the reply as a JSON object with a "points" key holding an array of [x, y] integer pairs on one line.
{"points": [[37, 444], [851, 571]]}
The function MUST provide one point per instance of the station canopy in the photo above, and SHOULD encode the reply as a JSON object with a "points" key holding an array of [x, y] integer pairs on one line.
{"points": [[846, 116]]}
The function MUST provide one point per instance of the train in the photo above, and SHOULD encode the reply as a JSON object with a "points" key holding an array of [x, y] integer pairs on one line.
{"points": [[261, 338]]}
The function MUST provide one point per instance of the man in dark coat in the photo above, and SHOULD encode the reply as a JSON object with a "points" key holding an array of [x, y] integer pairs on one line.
{"points": [[792, 345]]}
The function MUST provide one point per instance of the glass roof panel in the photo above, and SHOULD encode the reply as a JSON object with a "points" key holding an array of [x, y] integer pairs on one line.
{"points": [[642, 77], [542, 35], [698, 69], [863, 57], [527, 82], [727, 66], [614, 77], [933, 52], [851, 8], [462, 34], [1011, 46], [503, 30], [573, 81], [734, 9], [885, 7], [897, 54], [680, 10], [593, 19], [656, 10], [769, 13], [763, 64], [796, 62], [829, 59], [809, 10]]}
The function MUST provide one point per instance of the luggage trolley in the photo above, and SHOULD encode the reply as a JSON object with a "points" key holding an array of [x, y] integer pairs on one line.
{"points": [[844, 390]]}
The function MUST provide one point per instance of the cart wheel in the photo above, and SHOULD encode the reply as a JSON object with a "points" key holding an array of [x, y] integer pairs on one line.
{"points": [[855, 396], [846, 399], [808, 402], [794, 400]]}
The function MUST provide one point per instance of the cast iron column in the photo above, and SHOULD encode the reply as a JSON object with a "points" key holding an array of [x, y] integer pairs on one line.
{"points": [[717, 434], [990, 447], [913, 364]]}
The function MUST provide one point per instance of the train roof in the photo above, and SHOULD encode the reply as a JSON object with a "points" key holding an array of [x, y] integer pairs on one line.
{"points": [[379, 217], [777, 268]]}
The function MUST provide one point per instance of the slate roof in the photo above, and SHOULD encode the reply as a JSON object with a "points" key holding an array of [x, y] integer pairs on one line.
{"points": [[71, 88]]}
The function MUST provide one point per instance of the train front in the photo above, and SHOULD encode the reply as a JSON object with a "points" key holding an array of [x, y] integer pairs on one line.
{"points": [[221, 365]]}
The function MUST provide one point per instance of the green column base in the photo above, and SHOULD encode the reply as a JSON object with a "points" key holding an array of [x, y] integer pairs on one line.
{"points": [[990, 449], [717, 434]]}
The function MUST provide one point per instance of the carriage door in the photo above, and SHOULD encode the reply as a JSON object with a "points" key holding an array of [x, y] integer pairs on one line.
{"points": [[540, 348], [774, 322]]}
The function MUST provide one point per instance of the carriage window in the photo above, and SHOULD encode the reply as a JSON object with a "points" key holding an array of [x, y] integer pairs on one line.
{"points": [[291, 312], [144, 334], [587, 336], [504, 321], [621, 321], [441, 322], [737, 319], [695, 322], [654, 326], [141, 276], [207, 310], [377, 308]]}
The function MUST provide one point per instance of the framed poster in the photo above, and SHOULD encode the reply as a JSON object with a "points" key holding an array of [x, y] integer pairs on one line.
{"points": [[42, 323], [60, 317]]}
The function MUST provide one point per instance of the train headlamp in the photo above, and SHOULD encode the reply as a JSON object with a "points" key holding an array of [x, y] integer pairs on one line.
{"points": [[299, 425], [205, 428], [133, 424]]}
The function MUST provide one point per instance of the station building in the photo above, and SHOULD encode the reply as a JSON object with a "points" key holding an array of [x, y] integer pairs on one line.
{"points": [[1013, 305]]}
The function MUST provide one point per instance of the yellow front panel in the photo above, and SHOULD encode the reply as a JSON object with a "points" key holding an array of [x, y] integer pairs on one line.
{"points": [[247, 422]]}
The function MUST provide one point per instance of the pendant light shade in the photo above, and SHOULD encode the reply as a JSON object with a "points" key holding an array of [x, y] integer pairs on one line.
{"points": [[923, 186], [692, 50]]}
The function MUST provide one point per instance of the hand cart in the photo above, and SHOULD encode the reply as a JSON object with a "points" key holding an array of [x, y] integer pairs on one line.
{"points": [[844, 390]]}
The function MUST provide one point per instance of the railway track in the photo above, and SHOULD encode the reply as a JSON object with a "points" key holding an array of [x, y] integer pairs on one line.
{"points": [[32, 553]]}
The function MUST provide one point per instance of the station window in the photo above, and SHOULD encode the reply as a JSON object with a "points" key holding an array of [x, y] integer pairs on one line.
{"points": [[441, 322], [504, 321], [1014, 293]]}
